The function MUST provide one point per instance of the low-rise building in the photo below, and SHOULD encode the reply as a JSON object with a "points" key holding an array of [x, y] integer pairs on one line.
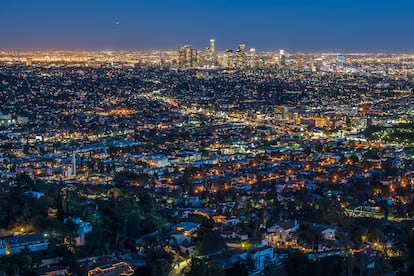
{"points": [[111, 268], [84, 228], [56, 270], [280, 234], [33, 242], [261, 257]]}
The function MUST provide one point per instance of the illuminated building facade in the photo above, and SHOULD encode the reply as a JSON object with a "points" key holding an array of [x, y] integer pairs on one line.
{"points": [[229, 59], [282, 57], [241, 56], [252, 57], [187, 57], [340, 61]]}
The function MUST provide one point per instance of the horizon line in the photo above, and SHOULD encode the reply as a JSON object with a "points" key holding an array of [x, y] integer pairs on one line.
{"points": [[80, 50]]}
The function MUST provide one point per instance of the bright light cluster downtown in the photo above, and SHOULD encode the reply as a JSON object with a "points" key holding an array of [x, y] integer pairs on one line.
{"points": [[236, 161]]}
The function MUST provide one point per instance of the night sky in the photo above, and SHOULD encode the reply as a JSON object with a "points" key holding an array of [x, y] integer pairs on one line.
{"points": [[293, 25]]}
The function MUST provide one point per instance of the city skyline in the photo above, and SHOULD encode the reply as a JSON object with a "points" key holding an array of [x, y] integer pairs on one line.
{"points": [[297, 26], [202, 138]]}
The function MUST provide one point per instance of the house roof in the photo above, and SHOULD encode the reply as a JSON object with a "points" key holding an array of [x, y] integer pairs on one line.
{"points": [[287, 224], [187, 226], [45, 270], [257, 249], [25, 239]]}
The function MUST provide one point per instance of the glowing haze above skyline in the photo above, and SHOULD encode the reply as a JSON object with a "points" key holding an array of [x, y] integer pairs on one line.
{"points": [[294, 25]]}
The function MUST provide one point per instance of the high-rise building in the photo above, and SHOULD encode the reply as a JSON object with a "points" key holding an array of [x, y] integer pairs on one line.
{"points": [[340, 61], [318, 63], [282, 57], [181, 56], [229, 59], [194, 58], [212, 47], [28, 62], [211, 54], [252, 57], [187, 57], [241, 56], [300, 63]]}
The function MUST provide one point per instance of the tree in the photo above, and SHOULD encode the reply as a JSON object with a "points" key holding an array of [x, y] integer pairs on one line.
{"points": [[16, 264], [159, 261], [297, 264], [24, 182], [248, 265], [327, 266], [160, 267], [115, 214], [362, 262], [198, 267], [310, 234], [146, 201], [269, 268], [211, 243]]}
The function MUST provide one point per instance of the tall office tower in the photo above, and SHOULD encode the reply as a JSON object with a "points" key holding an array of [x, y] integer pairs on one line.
{"points": [[28, 62], [282, 57], [275, 59], [194, 58], [241, 56], [318, 63], [181, 56], [340, 61], [229, 59], [211, 54], [212, 47], [187, 63], [300, 63], [187, 57], [252, 57]]}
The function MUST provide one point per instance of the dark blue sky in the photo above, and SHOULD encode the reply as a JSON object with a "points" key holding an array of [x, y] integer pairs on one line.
{"points": [[294, 25]]}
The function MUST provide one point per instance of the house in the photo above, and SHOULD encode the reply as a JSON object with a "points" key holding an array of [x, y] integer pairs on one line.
{"points": [[3, 248], [34, 242], [110, 268], [228, 234], [280, 235], [242, 236], [83, 229], [327, 232], [232, 221], [219, 219], [187, 228], [261, 256], [56, 270], [143, 240], [179, 238], [188, 249], [193, 201], [183, 232]]}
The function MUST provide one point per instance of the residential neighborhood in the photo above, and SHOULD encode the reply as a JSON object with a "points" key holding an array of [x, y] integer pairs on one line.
{"points": [[131, 163]]}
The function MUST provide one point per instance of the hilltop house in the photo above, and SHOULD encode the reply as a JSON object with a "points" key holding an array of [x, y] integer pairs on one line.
{"points": [[280, 235]]}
